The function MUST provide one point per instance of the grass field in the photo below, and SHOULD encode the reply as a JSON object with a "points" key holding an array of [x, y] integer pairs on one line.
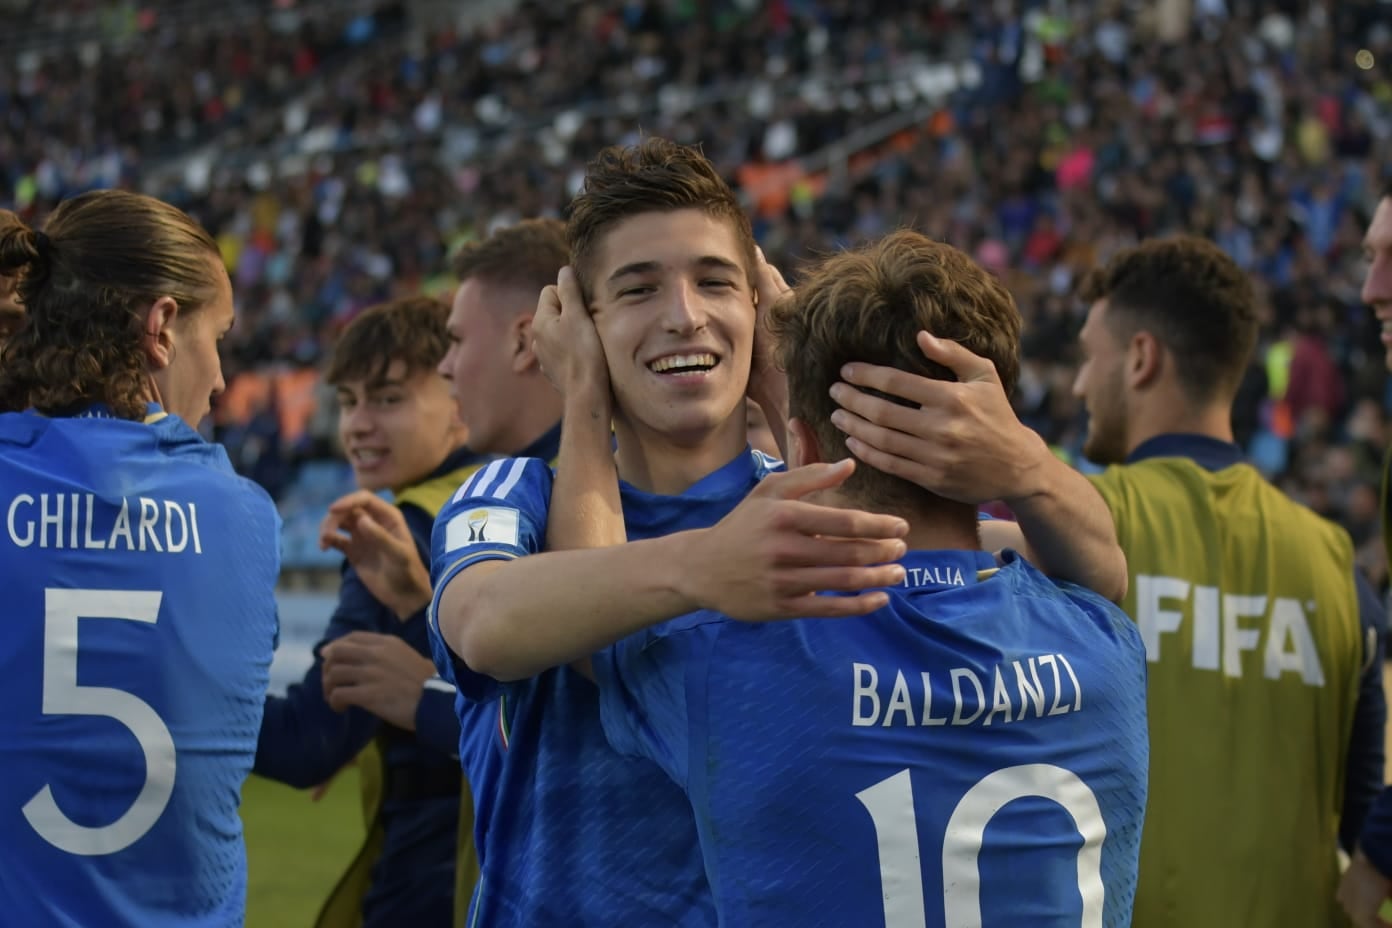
{"points": [[297, 848]]}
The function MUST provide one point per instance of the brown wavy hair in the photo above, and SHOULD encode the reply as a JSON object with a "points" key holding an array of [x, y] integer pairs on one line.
{"points": [[410, 330], [869, 305], [85, 283], [526, 256], [653, 176]]}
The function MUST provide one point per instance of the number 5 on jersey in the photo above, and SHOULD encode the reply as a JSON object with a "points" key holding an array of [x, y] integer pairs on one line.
{"points": [[890, 803], [63, 696]]}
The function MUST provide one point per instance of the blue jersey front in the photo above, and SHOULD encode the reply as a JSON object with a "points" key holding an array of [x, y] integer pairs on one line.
{"points": [[975, 753], [139, 574], [569, 832]]}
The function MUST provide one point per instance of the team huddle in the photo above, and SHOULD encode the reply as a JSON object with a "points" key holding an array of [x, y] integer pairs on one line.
{"points": [[603, 662]]}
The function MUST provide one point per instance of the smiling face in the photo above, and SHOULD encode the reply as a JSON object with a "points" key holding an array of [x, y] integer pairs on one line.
{"points": [[675, 312], [1377, 286], [398, 428]]}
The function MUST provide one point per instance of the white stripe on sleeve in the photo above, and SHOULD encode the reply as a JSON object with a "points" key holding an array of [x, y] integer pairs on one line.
{"points": [[514, 475]]}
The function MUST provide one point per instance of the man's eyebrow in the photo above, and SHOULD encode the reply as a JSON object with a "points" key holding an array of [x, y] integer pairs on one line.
{"points": [[717, 262], [637, 267]]}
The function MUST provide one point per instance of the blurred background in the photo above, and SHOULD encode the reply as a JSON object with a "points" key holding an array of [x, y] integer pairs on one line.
{"points": [[340, 149]]}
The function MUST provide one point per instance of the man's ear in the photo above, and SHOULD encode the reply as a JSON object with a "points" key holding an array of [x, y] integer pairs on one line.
{"points": [[802, 445], [157, 335], [1145, 360], [519, 344]]}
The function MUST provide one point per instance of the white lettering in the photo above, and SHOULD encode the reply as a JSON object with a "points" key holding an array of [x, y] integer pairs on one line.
{"points": [[72, 523], [928, 717], [1222, 629], [54, 519], [1000, 700], [149, 515], [1056, 709], [899, 701], [1153, 620], [28, 539], [1237, 639], [863, 691], [958, 675], [1029, 693], [193, 521], [1077, 687], [1288, 624], [172, 510], [122, 527], [93, 544], [1206, 637]]}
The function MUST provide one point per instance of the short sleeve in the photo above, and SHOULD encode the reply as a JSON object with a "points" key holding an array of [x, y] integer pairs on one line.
{"points": [[644, 696], [499, 514]]}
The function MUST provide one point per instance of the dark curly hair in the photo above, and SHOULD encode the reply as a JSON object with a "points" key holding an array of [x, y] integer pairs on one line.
{"points": [[85, 282], [1193, 298]]}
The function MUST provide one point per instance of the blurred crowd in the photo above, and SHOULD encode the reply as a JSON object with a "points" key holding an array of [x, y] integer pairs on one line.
{"points": [[339, 157]]}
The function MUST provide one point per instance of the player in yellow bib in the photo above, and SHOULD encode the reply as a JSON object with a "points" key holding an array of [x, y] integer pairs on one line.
{"points": [[1266, 706]]}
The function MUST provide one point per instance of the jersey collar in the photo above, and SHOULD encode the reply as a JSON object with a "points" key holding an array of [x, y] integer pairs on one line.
{"points": [[736, 476], [944, 570], [1209, 453]]}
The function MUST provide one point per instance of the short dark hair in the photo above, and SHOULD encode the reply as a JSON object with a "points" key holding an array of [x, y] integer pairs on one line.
{"points": [[869, 305], [410, 330], [1191, 296], [655, 175], [84, 282], [528, 255]]}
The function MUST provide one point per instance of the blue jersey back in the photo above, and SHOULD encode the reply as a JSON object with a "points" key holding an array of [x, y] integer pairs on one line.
{"points": [[139, 573], [568, 831], [973, 754]]}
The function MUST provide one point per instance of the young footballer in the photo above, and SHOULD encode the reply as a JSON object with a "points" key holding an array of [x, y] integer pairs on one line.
{"points": [[139, 572]]}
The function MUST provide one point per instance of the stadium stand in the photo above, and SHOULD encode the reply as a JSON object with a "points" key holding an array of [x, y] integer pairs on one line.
{"points": [[366, 142]]}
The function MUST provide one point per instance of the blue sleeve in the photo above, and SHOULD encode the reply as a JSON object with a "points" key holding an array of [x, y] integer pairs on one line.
{"points": [[643, 692], [303, 741], [1364, 775], [1376, 839], [498, 514], [437, 725]]}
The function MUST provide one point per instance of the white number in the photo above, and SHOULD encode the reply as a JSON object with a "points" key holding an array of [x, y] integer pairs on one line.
{"points": [[63, 696], [891, 806]]}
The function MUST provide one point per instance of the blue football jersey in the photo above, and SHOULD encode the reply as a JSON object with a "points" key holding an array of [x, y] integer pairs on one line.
{"points": [[568, 831], [139, 572], [975, 753]]}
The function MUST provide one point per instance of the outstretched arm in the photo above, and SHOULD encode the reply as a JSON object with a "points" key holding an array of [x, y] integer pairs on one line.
{"points": [[512, 617], [963, 441]]}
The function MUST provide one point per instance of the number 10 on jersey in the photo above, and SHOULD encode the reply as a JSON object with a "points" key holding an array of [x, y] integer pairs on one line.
{"points": [[890, 803]]}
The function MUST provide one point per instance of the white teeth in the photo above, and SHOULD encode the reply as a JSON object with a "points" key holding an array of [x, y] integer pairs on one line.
{"points": [[368, 457], [681, 361]]}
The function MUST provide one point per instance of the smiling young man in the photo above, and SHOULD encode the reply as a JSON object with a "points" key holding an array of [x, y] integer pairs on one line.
{"points": [[668, 268], [371, 681]]}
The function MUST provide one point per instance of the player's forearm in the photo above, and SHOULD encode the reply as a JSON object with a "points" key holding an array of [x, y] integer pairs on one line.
{"points": [[585, 508], [1069, 528], [512, 620]]}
